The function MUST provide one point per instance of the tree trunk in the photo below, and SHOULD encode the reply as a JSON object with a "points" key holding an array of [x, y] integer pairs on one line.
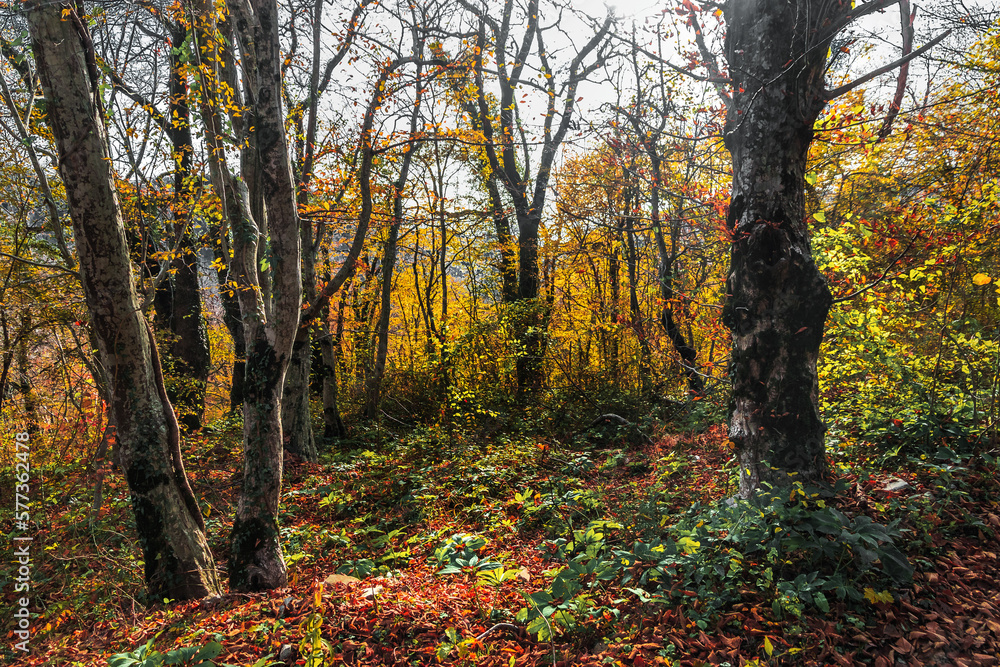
{"points": [[296, 409], [777, 300], [635, 310], [168, 519], [374, 385], [233, 320], [333, 424], [28, 394], [189, 349], [270, 302]]}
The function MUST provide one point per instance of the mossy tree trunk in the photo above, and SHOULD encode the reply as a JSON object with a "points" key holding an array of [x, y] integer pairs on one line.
{"points": [[169, 522]]}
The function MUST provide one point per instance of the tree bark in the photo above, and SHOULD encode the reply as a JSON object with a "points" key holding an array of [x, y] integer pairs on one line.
{"points": [[333, 423], [178, 563], [777, 300], [271, 315]]}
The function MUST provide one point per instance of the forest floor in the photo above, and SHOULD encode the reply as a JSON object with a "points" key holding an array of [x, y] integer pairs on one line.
{"points": [[601, 550]]}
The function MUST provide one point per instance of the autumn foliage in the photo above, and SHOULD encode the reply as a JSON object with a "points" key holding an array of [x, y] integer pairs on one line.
{"points": [[508, 463]]}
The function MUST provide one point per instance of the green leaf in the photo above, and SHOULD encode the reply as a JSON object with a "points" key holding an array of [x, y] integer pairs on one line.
{"points": [[895, 564]]}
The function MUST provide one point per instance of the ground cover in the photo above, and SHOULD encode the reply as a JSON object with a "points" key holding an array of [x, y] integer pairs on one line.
{"points": [[598, 547]]}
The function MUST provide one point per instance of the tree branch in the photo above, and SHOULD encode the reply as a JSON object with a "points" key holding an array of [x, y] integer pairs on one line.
{"points": [[906, 18], [847, 87]]}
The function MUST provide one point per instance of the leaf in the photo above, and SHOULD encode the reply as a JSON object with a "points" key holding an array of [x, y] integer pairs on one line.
{"points": [[208, 651], [768, 647], [981, 279], [895, 564], [820, 216]]}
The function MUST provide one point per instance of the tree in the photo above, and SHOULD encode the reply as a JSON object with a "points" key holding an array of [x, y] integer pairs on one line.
{"points": [[296, 414], [778, 300], [168, 519], [501, 135], [267, 256]]}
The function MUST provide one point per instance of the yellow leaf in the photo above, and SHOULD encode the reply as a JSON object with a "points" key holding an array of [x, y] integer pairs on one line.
{"points": [[981, 279], [768, 646]]}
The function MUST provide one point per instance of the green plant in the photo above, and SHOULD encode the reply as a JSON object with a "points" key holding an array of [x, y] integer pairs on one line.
{"points": [[928, 434], [313, 647], [792, 544], [187, 656], [458, 554], [567, 599]]}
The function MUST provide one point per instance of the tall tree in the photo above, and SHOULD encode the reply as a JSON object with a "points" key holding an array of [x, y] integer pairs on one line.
{"points": [[168, 519], [296, 413], [267, 258], [373, 384], [502, 136], [649, 116], [778, 300]]}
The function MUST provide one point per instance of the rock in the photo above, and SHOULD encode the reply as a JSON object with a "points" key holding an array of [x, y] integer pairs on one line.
{"points": [[286, 607], [895, 484], [340, 579], [286, 653]]}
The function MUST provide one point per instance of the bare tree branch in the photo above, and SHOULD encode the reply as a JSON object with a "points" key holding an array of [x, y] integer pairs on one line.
{"points": [[847, 87]]}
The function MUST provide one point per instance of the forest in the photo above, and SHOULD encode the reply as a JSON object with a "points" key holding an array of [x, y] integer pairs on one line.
{"points": [[499, 332]]}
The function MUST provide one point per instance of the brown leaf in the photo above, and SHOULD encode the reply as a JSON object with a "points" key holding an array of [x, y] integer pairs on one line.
{"points": [[903, 646]]}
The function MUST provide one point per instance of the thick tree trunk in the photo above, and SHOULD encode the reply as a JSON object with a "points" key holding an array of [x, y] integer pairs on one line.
{"points": [[171, 530], [270, 303], [777, 298]]}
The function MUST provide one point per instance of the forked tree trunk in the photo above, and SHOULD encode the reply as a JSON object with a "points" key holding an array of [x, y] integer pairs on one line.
{"points": [[777, 298], [169, 522]]}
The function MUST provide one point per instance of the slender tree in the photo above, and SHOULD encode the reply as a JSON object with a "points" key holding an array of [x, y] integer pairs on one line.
{"points": [[502, 135], [168, 519]]}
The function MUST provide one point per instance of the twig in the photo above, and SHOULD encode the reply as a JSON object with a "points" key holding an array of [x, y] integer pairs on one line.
{"points": [[880, 278], [837, 92], [498, 626]]}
